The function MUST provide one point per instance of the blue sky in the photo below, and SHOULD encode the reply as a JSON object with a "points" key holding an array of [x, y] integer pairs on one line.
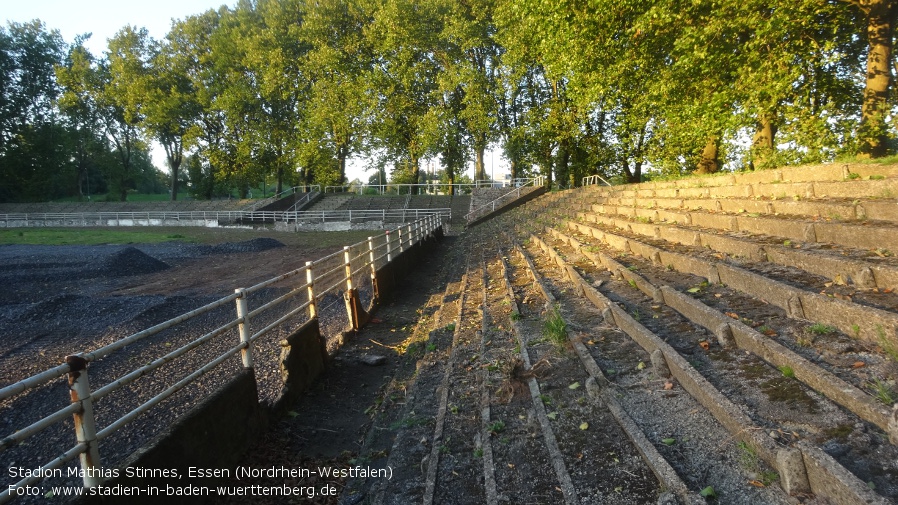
{"points": [[104, 18]]}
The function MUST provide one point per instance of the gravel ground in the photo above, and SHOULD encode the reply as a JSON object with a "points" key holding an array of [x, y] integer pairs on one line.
{"points": [[60, 300]]}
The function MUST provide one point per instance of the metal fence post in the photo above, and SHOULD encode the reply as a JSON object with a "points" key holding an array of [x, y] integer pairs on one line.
{"points": [[246, 354], [401, 245], [349, 295], [371, 257], [389, 247], [85, 424], [310, 280]]}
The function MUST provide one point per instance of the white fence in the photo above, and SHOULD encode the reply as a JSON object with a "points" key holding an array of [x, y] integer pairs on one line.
{"points": [[341, 271]]}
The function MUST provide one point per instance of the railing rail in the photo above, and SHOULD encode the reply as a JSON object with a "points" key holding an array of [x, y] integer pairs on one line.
{"points": [[271, 199], [336, 271], [227, 216], [525, 185], [591, 180]]}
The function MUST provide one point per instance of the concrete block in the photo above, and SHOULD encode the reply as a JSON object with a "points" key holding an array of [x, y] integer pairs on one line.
{"points": [[852, 235], [793, 475], [659, 364], [680, 235], [736, 190], [759, 177], [715, 221], [815, 173], [691, 265], [757, 286], [700, 314], [733, 246], [887, 188], [673, 216], [866, 170], [784, 190], [794, 230], [867, 323], [821, 264], [830, 480], [886, 210]]}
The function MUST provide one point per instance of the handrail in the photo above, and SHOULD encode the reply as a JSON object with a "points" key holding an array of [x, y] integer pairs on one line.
{"points": [[336, 270], [511, 195], [591, 180]]}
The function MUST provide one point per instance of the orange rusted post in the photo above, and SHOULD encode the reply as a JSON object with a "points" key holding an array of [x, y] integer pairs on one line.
{"points": [[85, 423]]}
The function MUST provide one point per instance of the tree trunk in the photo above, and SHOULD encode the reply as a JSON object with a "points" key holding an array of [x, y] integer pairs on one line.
{"points": [[762, 143], [479, 169], [709, 162], [880, 26], [175, 156]]}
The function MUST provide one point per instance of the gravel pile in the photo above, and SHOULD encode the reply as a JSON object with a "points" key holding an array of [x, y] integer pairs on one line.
{"points": [[131, 261]]}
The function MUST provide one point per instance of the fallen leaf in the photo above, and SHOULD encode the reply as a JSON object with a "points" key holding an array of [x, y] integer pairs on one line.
{"points": [[668, 386], [708, 492], [375, 320], [756, 483], [889, 290], [693, 290], [858, 364], [669, 441], [769, 333], [640, 366], [732, 314], [584, 425], [574, 385], [552, 415], [717, 295], [705, 345]]}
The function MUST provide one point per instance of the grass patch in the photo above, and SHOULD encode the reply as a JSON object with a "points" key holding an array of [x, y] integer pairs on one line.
{"points": [[883, 392], [86, 236], [821, 329], [555, 328], [159, 234]]}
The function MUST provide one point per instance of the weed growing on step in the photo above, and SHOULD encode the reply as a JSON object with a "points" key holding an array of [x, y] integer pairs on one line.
{"points": [[787, 371], [821, 329], [749, 459], [555, 328], [887, 345], [883, 392]]}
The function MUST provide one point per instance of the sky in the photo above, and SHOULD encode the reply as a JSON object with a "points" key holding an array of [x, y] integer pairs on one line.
{"points": [[103, 18]]}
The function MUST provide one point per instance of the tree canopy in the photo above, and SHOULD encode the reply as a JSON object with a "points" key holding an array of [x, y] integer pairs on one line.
{"points": [[288, 91]]}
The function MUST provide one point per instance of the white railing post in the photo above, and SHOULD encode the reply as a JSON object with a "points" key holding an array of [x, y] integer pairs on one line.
{"points": [[346, 259], [246, 354], [399, 232], [371, 257], [85, 424], [310, 281], [349, 296], [389, 247]]}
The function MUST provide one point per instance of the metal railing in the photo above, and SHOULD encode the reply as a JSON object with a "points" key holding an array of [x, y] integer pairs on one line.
{"points": [[271, 199], [526, 186], [326, 216], [306, 198], [591, 180], [328, 275]]}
